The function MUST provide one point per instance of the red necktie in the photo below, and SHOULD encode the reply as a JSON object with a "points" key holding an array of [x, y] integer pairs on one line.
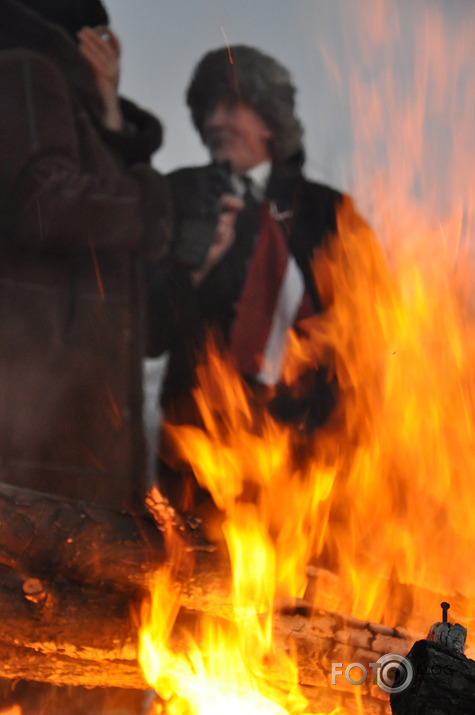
{"points": [[273, 299]]}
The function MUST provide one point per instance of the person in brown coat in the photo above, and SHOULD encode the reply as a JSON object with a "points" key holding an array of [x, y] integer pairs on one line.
{"points": [[78, 206]]}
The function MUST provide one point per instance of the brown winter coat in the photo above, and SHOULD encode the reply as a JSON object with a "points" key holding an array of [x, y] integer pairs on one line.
{"points": [[72, 220]]}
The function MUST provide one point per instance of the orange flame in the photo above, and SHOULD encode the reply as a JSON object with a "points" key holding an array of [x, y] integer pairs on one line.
{"points": [[245, 465], [402, 496], [384, 495]]}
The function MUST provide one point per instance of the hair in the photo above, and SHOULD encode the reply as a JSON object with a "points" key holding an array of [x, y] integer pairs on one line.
{"points": [[71, 15], [248, 75]]}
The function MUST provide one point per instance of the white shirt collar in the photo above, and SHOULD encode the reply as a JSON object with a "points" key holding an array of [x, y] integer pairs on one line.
{"points": [[259, 176]]}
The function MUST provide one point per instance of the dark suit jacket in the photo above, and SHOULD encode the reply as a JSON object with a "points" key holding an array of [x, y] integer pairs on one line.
{"points": [[181, 315]]}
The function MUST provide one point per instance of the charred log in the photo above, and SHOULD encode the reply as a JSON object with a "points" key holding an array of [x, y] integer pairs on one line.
{"points": [[443, 683]]}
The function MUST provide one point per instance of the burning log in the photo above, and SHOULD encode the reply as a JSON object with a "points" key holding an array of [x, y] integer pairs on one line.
{"points": [[71, 634], [45, 536], [66, 565], [74, 644], [71, 579]]}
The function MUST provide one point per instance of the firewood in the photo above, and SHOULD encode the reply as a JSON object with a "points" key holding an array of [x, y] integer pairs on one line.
{"points": [[72, 576], [70, 634], [42, 535], [443, 683]]}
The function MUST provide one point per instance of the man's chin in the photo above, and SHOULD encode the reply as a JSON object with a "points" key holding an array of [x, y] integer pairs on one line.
{"points": [[222, 154]]}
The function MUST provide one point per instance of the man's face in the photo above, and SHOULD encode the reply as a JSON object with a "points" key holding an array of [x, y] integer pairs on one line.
{"points": [[233, 132]]}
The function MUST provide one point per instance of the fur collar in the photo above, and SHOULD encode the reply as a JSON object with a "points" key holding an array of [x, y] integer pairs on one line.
{"points": [[21, 28]]}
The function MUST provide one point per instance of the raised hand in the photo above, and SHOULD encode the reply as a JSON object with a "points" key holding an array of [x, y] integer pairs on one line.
{"points": [[231, 205], [101, 49]]}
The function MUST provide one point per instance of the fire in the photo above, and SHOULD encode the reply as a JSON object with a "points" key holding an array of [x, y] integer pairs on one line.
{"points": [[210, 677], [233, 664], [402, 500], [384, 494], [230, 664], [248, 467], [397, 453]]}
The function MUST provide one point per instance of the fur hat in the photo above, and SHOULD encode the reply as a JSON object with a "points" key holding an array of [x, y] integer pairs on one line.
{"points": [[71, 15], [256, 79]]}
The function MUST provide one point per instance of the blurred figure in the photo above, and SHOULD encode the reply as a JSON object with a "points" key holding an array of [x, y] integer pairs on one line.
{"points": [[246, 228], [79, 207], [79, 203]]}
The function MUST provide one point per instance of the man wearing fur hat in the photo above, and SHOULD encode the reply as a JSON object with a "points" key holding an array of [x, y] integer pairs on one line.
{"points": [[79, 203], [255, 281]]}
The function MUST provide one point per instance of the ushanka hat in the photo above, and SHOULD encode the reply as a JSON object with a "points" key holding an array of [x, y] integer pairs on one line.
{"points": [[71, 15]]}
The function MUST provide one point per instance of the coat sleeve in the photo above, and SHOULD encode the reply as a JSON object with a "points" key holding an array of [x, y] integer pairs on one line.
{"points": [[48, 198], [172, 308], [141, 136]]}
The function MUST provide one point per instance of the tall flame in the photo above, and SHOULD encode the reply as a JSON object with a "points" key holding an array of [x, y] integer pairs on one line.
{"points": [[235, 664], [383, 495], [402, 497], [248, 465]]}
